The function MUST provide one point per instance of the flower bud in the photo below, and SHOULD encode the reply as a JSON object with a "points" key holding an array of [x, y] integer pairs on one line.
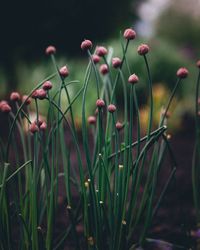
{"points": [[86, 45], [182, 73], [47, 85], [26, 99], [33, 128], [133, 79], [100, 103], [143, 49], [34, 95], [129, 34], [5, 107], [91, 119], [116, 62], [39, 93], [50, 50], [95, 59], [64, 72], [43, 126], [15, 96], [111, 108], [38, 122], [104, 69], [101, 51], [198, 63], [3, 102], [119, 126]]}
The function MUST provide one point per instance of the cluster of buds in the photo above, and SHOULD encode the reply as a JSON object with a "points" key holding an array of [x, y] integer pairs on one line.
{"points": [[39, 94], [37, 125], [15, 97]]}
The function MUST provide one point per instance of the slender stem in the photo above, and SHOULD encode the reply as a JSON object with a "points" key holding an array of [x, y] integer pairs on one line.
{"points": [[169, 101], [151, 98]]}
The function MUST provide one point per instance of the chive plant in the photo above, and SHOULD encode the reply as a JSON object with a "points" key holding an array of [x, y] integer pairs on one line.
{"points": [[103, 186]]}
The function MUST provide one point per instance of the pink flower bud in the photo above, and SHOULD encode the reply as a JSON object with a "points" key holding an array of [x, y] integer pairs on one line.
{"points": [[33, 128], [41, 94], [100, 103], [101, 51], [43, 126], [38, 122], [116, 62], [111, 108], [5, 107], [143, 49], [133, 79], [91, 119], [104, 69], [26, 99], [3, 102], [86, 45], [47, 85], [34, 95], [129, 34], [198, 63], [119, 126], [182, 73], [50, 50], [15, 96], [95, 59], [64, 72]]}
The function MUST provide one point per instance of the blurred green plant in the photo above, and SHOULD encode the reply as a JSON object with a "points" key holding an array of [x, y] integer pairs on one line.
{"points": [[64, 23], [180, 28]]}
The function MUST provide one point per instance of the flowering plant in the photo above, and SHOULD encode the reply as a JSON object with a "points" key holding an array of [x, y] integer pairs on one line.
{"points": [[110, 174]]}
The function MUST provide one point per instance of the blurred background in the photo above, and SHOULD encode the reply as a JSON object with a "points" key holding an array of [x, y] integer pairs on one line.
{"points": [[171, 28]]}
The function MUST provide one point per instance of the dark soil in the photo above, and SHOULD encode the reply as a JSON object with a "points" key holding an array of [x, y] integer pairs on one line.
{"points": [[175, 219]]}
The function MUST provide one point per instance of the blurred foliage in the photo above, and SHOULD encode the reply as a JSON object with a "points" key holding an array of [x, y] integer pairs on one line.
{"points": [[180, 28], [27, 27]]}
